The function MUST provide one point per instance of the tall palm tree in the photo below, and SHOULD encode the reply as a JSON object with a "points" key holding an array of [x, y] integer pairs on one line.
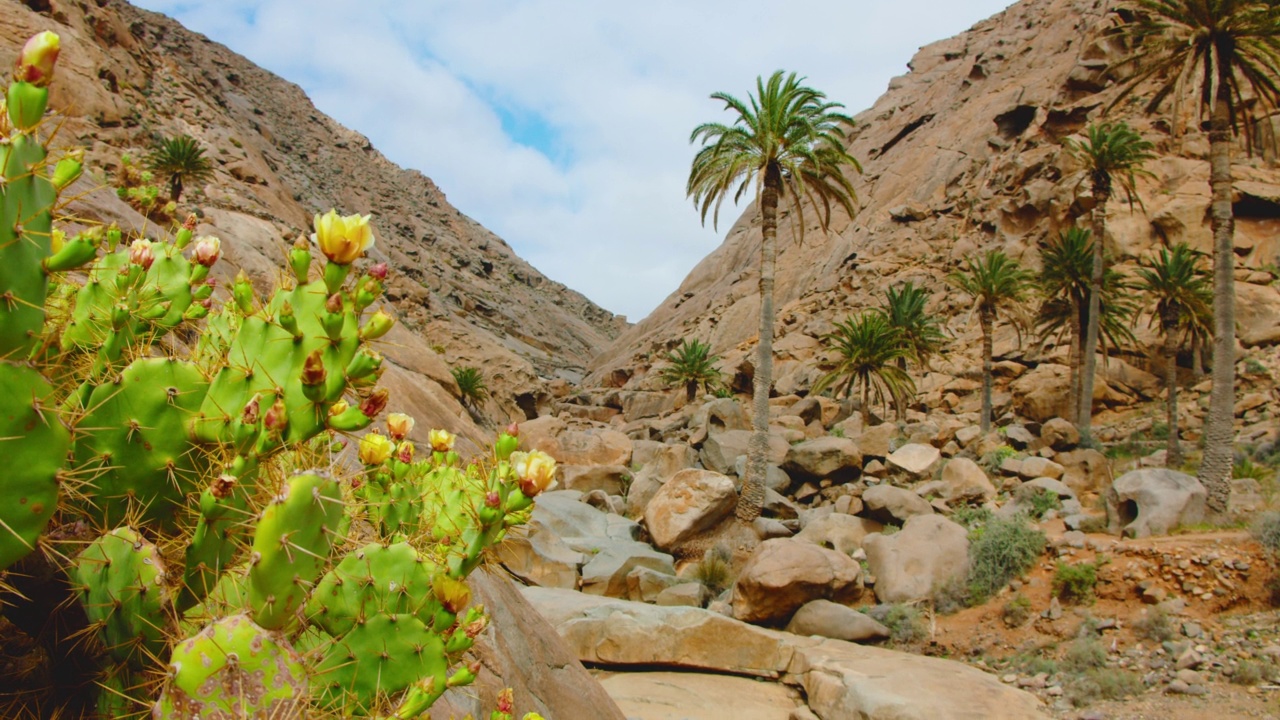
{"points": [[1180, 291], [869, 347], [1064, 281], [787, 142], [996, 282], [918, 331], [1112, 153], [690, 365], [1223, 56], [180, 160]]}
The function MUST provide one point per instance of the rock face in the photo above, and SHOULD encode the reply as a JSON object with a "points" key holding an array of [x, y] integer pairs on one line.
{"points": [[786, 573], [690, 502], [912, 563], [277, 161], [1153, 501]]}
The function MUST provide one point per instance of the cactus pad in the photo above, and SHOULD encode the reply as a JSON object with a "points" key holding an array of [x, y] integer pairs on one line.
{"points": [[291, 546], [34, 445], [373, 580], [378, 658], [122, 587], [233, 670]]}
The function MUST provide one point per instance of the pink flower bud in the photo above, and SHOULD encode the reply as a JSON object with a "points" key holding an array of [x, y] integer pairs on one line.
{"points": [[375, 403], [36, 61], [378, 271], [207, 250], [140, 253]]}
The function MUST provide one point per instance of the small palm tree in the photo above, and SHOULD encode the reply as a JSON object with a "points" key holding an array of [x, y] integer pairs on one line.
{"points": [[1112, 153], [787, 141], [996, 282], [869, 348], [1180, 292], [918, 331], [1064, 281], [691, 365], [471, 385], [180, 160], [1224, 57]]}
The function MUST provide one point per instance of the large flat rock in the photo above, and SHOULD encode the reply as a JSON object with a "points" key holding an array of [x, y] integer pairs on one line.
{"points": [[841, 680], [696, 696]]}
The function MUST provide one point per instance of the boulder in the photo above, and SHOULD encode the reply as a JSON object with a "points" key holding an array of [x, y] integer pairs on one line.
{"points": [[539, 557], [963, 480], [841, 622], [786, 573], [1153, 501], [658, 462], [837, 459], [893, 505], [1086, 470], [645, 584], [612, 479], [909, 565], [594, 446], [661, 695], [715, 417], [874, 441], [612, 560], [1019, 437], [691, 502], [688, 594], [721, 451], [838, 531], [1059, 434], [917, 459], [1041, 394], [1257, 314], [1036, 466], [839, 679], [775, 478]]}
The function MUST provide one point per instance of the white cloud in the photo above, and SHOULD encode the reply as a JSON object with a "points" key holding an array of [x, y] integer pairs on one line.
{"points": [[601, 205]]}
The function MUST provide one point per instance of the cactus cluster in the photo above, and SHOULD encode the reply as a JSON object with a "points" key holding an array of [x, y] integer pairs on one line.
{"points": [[161, 456]]}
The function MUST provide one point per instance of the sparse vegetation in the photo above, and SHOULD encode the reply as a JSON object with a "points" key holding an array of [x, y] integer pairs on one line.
{"points": [[1042, 501], [180, 160], [1155, 625], [690, 365], [1266, 530], [999, 551], [905, 623], [1017, 611], [1076, 583], [471, 385], [1103, 684], [714, 572]]}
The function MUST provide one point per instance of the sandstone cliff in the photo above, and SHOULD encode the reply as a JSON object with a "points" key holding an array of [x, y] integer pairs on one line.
{"points": [[128, 77], [961, 155]]}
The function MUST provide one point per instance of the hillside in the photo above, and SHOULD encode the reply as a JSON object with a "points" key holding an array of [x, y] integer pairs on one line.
{"points": [[129, 77], [960, 155]]}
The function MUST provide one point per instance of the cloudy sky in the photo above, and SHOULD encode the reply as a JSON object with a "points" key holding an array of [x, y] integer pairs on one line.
{"points": [[563, 125]]}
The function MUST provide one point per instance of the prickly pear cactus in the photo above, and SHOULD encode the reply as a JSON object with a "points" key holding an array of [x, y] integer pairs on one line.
{"points": [[174, 436]]}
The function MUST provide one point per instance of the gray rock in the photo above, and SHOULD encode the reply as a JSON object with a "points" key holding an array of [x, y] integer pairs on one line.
{"points": [[841, 622], [1153, 501], [912, 563], [840, 532], [682, 595], [889, 504], [612, 560], [916, 459], [838, 459]]}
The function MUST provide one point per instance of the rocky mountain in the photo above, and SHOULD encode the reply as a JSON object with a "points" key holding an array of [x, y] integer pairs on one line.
{"points": [[129, 77], [963, 154]]}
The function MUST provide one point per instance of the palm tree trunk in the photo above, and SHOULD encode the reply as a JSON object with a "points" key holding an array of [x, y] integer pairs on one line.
{"points": [[866, 402], [751, 502], [1074, 360], [1084, 413], [986, 319], [1215, 468], [899, 401], [175, 188], [1173, 449], [690, 391]]}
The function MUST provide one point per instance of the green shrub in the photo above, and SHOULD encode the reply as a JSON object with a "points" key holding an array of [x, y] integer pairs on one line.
{"points": [[1266, 530], [471, 385], [1103, 684], [1000, 551], [714, 572], [992, 461], [1075, 583], [971, 516], [905, 624], [1248, 672], [1155, 625], [1017, 611], [1042, 501], [1085, 653]]}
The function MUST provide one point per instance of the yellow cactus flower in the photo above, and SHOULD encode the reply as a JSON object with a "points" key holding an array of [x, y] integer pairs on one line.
{"points": [[535, 470], [343, 239], [57, 239], [375, 448], [35, 63], [441, 440], [399, 425]]}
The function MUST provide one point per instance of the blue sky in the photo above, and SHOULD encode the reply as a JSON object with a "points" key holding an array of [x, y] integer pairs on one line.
{"points": [[563, 125]]}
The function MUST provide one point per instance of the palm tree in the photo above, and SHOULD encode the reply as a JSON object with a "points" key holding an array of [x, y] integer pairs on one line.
{"points": [[787, 142], [181, 160], [691, 364], [471, 385], [918, 331], [1064, 281], [1111, 153], [995, 282], [868, 346], [1224, 56], [1180, 290]]}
